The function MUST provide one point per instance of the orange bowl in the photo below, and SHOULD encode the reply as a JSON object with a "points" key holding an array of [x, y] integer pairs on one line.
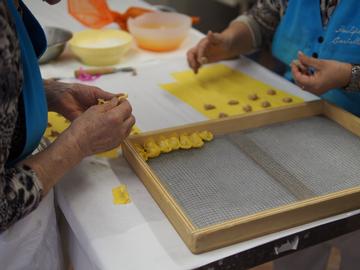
{"points": [[159, 31]]}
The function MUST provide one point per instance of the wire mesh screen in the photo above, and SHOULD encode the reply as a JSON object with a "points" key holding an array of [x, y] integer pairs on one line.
{"points": [[243, 173]]}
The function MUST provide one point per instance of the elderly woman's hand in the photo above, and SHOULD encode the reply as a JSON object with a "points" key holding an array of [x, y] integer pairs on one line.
{"points": [[233, 41], [319, 76], [94, 129], [102, 127], [73, 99], [212, 48]]}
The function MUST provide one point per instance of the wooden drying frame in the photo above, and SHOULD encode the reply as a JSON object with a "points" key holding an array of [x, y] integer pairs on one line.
{"points": [[261, 223]]}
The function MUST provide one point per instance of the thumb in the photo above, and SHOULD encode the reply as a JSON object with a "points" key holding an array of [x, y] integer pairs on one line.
{"points": [[309, 61], [107, 106], [104, 95]]}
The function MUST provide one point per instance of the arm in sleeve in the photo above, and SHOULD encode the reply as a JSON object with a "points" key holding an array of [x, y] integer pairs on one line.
{"points": [[262, 20], [20, 190]]}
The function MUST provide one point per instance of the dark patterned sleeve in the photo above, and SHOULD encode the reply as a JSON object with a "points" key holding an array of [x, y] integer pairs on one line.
{"points": [[263, 19], [20, 190]]}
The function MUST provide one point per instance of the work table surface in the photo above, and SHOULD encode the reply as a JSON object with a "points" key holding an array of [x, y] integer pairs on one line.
{"points": [[137, 235]]}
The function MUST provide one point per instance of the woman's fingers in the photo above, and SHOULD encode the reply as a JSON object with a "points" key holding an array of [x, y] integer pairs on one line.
{"points": [[99, 93], [301, 66], [305, 81], [311, 79], [206, 51], [121, 121], [123, 110], [191, 58], [107, 106], [202, 51], [309, 61], [196, 55], [296, 71], [103, 127], [88, 95], [127, 125], [309, 82]]}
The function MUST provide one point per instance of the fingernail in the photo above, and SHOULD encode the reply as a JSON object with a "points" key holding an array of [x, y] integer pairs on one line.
{"points": [[300, 53], [114, 101], [296, 62]]}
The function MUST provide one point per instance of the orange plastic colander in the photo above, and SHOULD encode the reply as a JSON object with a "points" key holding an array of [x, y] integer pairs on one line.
{"points": [[97, 14]]}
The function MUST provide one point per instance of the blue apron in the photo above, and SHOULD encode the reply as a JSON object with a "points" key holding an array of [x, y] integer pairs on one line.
{"points": [[32, 43], [301, 28]]}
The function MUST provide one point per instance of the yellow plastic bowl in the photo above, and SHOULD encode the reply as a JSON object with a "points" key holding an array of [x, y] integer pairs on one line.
{"points": [[100, 47], [159, 31]]}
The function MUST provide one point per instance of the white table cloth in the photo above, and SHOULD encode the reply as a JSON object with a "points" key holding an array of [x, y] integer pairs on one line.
{"points": [[138, 235]]}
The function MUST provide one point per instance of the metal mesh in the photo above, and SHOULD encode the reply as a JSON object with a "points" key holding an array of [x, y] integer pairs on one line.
{"points": [[244, 173]]}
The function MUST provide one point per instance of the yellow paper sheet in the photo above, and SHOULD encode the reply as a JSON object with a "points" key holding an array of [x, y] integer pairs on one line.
{"points": [[57, 124], [217, 85]]}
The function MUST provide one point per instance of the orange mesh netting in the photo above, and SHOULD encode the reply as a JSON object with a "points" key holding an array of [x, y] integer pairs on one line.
{"points": [[96, 13]]}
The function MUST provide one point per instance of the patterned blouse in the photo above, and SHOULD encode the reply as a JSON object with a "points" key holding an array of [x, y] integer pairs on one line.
{"points": [[20, 190], [264, 17]]}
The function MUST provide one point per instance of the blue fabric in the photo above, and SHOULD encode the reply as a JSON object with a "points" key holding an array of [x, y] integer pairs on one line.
{"points": [[32, 44], [301, 28]]}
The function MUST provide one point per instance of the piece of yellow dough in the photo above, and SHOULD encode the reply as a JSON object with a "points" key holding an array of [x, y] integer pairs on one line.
{"points": [[152, 149], [206, 135], [135, 130], [120, 98], [164, 145], [141, 151], [121, 195], [185, 142], [217, 84], [196, 140], [174, 142]]}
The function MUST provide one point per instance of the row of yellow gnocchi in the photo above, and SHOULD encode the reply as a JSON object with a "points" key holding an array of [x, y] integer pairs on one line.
{"points": [[152, 148]]}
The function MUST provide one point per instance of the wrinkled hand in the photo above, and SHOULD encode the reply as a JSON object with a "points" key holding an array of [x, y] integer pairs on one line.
{"points": [[71, 100], [212, 48], [323, 76], [102, 127]]}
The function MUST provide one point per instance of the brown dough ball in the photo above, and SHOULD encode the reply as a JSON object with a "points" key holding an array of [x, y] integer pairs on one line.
{"points": [[253, 97], [233, 102], [271, 92], [209, 107], [247, 108], [223, 115], [265, 104], [287, 99]]}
